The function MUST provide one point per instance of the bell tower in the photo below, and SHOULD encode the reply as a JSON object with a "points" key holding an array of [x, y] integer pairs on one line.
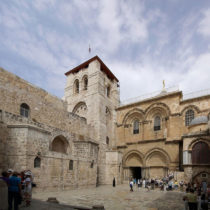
{"points": [[92, 92]]}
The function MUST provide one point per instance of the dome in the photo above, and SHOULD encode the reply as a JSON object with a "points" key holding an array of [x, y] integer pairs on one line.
{"points": [[199, 120]]}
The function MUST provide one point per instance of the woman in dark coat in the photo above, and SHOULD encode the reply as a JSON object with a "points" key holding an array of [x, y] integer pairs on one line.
{"points": [[113, 182]]}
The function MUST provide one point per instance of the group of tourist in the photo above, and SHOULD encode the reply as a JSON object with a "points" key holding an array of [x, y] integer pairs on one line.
{"points": [[197, 195], [15, 188], [164, 184]]}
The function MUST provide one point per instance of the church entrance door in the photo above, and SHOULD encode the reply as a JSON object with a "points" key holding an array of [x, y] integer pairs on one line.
{"points": [[136, 172]]}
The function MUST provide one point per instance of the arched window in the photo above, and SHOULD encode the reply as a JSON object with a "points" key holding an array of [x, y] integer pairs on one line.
{"points": [[71, 165], [24, 110], [201, 153], [107, 140], [157, 125], [189, 116], [136, 127], [76, 86], [85, 83], [59, 144], [37, 162], [108, 91]]}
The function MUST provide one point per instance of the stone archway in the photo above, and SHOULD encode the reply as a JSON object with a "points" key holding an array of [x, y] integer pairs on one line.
{"points": [[59, 144], [80, 109], [157, 162], [202, 176], [133, 165]]}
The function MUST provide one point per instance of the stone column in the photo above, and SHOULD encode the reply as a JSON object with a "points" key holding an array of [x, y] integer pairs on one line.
{"points": [[189, 157], [143, 172]]}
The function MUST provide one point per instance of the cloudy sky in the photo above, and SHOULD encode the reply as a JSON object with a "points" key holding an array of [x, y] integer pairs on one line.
{"points": [[142, 41]]}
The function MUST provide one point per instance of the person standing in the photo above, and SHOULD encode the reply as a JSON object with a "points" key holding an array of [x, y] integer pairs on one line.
{"points": [[4, 191], [153, 184], [113, 184], [204, 186], [143, 183], [28, 188], [14, 191], [192, 200], [138, 182]]}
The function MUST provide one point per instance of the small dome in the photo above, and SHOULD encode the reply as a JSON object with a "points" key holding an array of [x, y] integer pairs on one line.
{"points": [[199, 120]]}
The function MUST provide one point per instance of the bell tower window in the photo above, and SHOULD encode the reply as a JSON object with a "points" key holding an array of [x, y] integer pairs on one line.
{"points": [[76, 86], [108, 91], [85, 83]]}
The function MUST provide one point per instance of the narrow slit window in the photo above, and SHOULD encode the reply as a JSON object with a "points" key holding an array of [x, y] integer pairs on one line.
{"points": [[107, 140], [92, 164], [71, 164], [108, 91]]}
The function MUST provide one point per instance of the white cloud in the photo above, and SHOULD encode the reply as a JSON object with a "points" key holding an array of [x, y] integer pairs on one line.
{"points": [[199, 74], [204, 25], [137, 79], [118, 22], [54, 36], [42, 4]]}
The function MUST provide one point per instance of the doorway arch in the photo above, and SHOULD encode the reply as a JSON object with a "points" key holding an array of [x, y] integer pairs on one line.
{"points": [[157, 163], [133, 165]]}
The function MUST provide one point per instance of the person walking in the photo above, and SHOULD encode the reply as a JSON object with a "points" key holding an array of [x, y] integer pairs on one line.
{"points": [[131, 185], [14, 191]]}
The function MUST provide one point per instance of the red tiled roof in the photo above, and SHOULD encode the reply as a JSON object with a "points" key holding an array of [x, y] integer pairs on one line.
{"points": [[104, 68]]}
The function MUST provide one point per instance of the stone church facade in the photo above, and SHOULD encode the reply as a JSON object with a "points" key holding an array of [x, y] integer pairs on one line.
{"points": [[88, 138]]}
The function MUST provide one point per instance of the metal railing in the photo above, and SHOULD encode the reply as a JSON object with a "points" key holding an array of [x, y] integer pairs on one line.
{"points": [[164, 91], [196, 94]]}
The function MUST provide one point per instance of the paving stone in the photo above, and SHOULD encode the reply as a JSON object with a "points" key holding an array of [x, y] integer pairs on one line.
{"points": [[119, 198]]}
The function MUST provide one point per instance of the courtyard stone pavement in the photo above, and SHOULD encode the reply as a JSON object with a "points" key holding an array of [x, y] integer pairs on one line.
{"points": [[111, 198]]}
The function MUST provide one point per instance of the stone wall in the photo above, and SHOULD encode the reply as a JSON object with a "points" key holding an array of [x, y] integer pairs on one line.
{"points": [[44, 107], [171, 108], [113, 167], [23, 139], [25, 142]]}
